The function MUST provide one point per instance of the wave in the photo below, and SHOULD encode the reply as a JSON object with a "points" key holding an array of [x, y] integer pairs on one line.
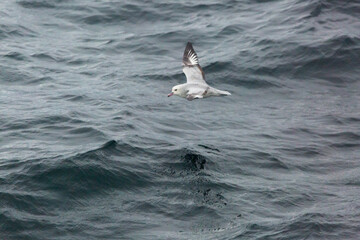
{"points": [[37, 4], [16, 56], [103, 168], [232, 29], [308, 151], [264, 160], [125, 13], [15, 30], [333, 57], [92, 172], [40, 122], [315, 224], [106, 169], [10, 75]]}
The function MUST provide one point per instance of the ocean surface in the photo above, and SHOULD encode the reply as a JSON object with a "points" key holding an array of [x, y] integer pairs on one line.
{"points": [[91, 147]]}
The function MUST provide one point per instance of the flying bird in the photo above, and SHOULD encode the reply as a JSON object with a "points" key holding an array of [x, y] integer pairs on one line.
{"points": [[195, 86]]}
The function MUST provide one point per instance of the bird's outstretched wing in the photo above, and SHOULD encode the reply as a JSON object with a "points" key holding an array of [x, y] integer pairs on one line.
{"points": [[191, 66]]}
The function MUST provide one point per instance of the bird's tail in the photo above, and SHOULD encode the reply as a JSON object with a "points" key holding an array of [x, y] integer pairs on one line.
{"points": [[224, 93]]}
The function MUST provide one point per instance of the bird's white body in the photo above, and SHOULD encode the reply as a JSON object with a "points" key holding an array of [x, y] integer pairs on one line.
{"points": [[195, 86], [192, 91]]}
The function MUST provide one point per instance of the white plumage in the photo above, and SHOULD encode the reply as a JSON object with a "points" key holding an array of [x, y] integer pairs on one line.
{"points": [[195, 86]]}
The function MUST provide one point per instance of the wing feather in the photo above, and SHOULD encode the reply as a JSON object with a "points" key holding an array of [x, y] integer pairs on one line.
{"points": [[191, 66]]}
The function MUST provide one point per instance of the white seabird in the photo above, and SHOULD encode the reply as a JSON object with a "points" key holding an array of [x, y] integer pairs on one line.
{"points": [[195, 86]]}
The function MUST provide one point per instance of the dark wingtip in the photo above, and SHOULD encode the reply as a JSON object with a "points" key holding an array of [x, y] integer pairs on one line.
{"points": [[188, 50], [189, 47]]}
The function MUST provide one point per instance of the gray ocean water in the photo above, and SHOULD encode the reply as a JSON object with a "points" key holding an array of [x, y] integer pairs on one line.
{"points": [[92, 148]]}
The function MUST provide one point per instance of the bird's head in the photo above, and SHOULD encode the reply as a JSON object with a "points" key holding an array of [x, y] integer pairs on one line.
{"points": [[176, 90]]}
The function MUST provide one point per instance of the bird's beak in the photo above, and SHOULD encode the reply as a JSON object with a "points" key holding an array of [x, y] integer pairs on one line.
{"points": [[170, 94]]}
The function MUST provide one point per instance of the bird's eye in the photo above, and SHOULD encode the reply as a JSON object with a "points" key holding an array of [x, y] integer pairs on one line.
{"points": [[175, 90]]}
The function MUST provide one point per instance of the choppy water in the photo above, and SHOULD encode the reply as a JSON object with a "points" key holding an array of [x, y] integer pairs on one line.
{"points": [[92, 148]]}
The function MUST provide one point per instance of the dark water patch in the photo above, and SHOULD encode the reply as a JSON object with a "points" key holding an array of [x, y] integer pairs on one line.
{"points": [[90, 50], [2, 34], [74, 98], [323, 166], [317, 10], [16, 56], [171, 36], [128, 13], [203, 7], [264, 160], [307, 152], [211, 148], [266, 42], [351, 181], [345, 145], [78, 62], [11, 75], [162, 77], [255, 83], [44, 57], [40, 80], [270, 70], [288, 200], [60, 127], [331, 119], [352, 119], [345, 136], [349, 176], [301, 131], [88, 73], [101, 19], [267, 136], [15, 31], [350, 8], [311, 10], [218, 67], [230, 30], [85, 131], [118, 149], [37, 4], [188, 13], [150, 50]]}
